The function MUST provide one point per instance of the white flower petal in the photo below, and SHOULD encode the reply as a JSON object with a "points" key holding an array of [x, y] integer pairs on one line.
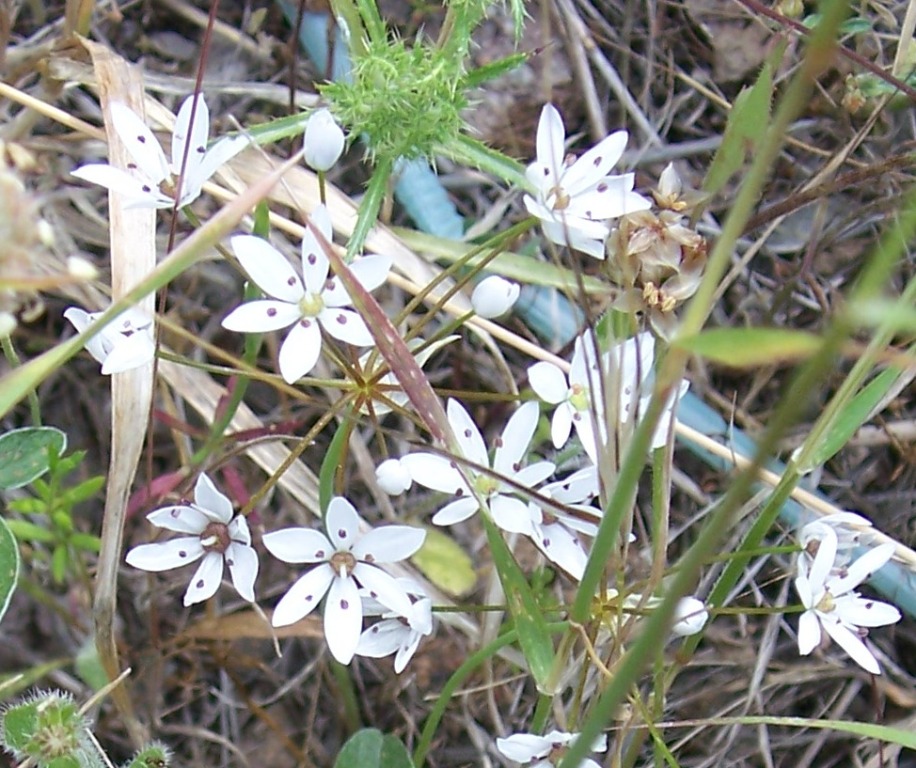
{"points": [[243, 567], [823, 562], [180, 518], [220, 154], [238, 531], [576, 236], [384, 588], [139, 192], [561, 425], [315, 265], [342, 523], [515, 439], [861, 569], [864, 612], [595, 164], [382, 639], [389, 544], [434, 472], [534, 474], [850, 642], [343, 619], [406, 651], [550, 141], [211, 500], [140, 142], [298, 545], [456, 511], [371, 271], [523, 747], [510, 514], [809, 633], [346, 325], [206, 579], [194, 136], [562, 548], [261, 316], [469, 438], [165, 555], [268, 268], [129, 352], [300, 350], [303, 596], [548, 382]]}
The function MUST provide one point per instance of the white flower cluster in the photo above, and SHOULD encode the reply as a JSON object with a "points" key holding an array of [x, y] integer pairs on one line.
{"points": [[347, 572], [826, 583]]}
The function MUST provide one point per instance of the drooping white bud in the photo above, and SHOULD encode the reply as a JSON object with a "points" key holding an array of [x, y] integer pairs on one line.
{"points": [[324, 141], [494, 296], [690, 616], [393, 477]]}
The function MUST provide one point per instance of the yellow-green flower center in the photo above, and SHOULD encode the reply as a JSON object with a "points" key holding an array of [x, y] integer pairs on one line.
{"points": [[578, 397], [486, 485], [311, 304]]}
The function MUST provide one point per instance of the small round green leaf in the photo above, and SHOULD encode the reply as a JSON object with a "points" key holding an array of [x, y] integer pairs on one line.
{"points": [[9, 566], [24, 454]]}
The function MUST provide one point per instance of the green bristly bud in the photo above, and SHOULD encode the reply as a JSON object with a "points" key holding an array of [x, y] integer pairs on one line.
{"points": [[405, 101]]}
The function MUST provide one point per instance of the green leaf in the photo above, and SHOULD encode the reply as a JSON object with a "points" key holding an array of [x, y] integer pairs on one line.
{"points": [[533, 635], [89, 667], [330, 463], [370, 206], [859, 410], [747, 123], [445, 563], [154, 755], [370, 748], [26, 531], [24, 454], [885, 313], [9, 566], [467, 151], [750, 347]]}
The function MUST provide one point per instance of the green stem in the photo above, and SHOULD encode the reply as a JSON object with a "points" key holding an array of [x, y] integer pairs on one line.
{"points": [[348, 695], [9, 352]]}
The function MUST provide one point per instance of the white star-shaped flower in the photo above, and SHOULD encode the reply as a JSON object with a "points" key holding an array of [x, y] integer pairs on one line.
{"points": [[547, 750], [576, 197], [574, 395], [347, 560], [832, 604], [126, 342], [215, 534], [850, 530], [149, 181], [442, 474], [397, 633], [316, 299]]}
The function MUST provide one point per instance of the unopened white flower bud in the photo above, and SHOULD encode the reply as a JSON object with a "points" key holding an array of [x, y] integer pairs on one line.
{"points": [[690, 616], [7, 324], [81, 268], [494, 296], [393, 477], [324, 141]]}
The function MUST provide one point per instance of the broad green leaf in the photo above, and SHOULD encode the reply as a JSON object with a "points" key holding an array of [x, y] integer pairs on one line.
{"points": [[24, 454], [533, 635], [370, 748], [445, 563], [747, 122], [9, 566], [859, 410], [751, 347]]}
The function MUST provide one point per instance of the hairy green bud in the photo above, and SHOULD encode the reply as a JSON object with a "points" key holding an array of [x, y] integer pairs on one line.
{"points": [[405, 101]]}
